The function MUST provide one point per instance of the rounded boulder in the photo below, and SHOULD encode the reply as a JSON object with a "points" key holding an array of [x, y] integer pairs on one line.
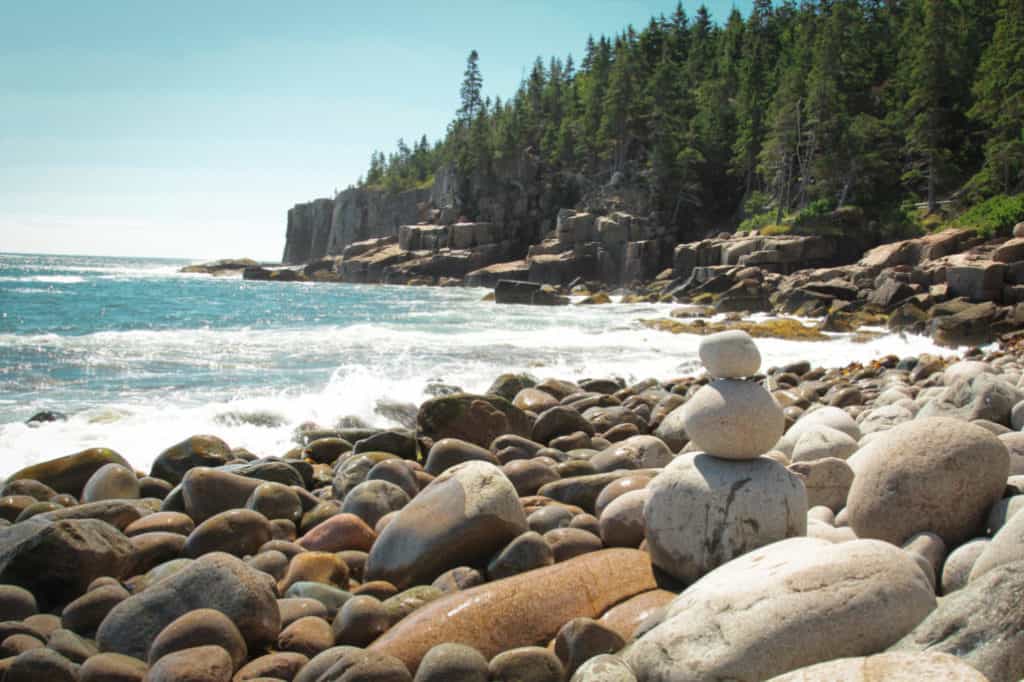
{"points": [[733, 419], [936, 474]]}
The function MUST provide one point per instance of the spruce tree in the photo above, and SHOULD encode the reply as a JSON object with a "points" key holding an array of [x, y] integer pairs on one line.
{"points": [[999, 103]]}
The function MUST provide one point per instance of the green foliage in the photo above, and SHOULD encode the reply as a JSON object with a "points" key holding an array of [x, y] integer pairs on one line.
{"points": [[996, 216], [769, 120]]}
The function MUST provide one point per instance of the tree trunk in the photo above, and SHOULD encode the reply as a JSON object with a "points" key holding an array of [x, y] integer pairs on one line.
{"points": [[931, 185]]}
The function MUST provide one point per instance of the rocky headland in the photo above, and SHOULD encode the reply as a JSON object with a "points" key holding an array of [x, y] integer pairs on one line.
{"points": [[791, 523]]}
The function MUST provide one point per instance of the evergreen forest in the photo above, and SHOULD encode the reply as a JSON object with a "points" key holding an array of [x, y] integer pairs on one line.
{"points": [[908, 112]]}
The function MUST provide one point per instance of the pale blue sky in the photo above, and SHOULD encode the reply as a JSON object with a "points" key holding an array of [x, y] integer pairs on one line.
{"points": [[189, 128]]}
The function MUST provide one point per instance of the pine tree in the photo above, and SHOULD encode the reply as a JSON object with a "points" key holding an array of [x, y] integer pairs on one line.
{"points": [[929, 106], [999, 105], [472, 87]]}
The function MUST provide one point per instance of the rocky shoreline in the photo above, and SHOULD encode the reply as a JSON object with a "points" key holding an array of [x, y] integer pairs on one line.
{"points": [[952, 286], [793, 523]]}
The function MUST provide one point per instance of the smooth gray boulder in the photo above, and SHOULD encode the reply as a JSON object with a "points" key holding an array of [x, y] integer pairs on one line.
{"points": [[823, 442], [733, 419], [782, 607], [832, 417], [984, 396], [893, 666], [729, 355], [1007, 546], [981, 624], [703, 511], [936, 474]]}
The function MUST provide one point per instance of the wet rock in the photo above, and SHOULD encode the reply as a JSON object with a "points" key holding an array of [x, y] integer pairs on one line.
{"points": [[162, 522], [111, 482], [458, 578], [474, 418], [275, 501], [281, 665], [448, 452], [208, 492], [238, 531], [337, 533], [529, 475], [567, 543], [534, 400], [703, 511], [218, 581], [464, 516], [69, 474], [196, 451], [937, 474], [371, 500], [320, 567]]}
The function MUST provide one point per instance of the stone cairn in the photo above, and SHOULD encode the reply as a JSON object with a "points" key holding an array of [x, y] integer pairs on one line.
{"points": [[724, 499]]}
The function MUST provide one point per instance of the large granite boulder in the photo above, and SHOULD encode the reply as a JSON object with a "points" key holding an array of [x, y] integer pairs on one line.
{"points": [[702, 511], [891, 667], [462, 517], [982, 624], [936, 474], [782, 607], [984, 396]]}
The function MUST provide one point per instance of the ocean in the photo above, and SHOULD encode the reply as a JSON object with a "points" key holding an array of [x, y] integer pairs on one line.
{"points": [[140, 356]]}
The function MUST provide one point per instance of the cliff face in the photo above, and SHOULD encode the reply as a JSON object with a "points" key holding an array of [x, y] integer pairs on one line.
{"points": [[514, 197], [324, 227]]}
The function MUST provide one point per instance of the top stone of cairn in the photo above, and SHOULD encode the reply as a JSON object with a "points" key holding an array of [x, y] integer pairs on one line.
{"points": [[729, 355]]}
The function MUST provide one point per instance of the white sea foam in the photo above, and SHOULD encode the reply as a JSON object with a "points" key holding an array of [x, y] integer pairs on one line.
{"points": [[45, 279], [361, 365]]}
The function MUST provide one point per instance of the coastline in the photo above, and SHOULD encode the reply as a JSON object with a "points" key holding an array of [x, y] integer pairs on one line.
{"points": [[318, 530]]}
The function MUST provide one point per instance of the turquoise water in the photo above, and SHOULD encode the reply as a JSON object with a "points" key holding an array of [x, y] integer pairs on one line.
{"points": [[140, 356]]}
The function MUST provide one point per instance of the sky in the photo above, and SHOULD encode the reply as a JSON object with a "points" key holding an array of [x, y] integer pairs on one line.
{"points": [[188, 129]]}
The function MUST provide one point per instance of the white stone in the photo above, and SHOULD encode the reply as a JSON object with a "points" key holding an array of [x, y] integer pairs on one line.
{"points": [[703, 511], [782, 607], [733, 419], [730, 354], [823, 442]]}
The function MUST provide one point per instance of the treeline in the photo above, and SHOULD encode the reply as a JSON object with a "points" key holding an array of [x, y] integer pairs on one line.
{"points": [[799, 106]]}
